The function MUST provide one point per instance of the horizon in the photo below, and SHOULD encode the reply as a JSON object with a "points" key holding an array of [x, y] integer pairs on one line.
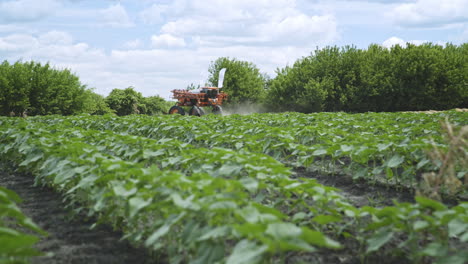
{"points": [[157, 46]]}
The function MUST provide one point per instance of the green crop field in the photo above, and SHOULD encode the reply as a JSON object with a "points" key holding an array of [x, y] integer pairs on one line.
{"points": [[246, 189]]}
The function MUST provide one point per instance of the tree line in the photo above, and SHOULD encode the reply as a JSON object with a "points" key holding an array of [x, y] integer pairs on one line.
{"points": [[349, 79], [32, 88], [409, 78]]}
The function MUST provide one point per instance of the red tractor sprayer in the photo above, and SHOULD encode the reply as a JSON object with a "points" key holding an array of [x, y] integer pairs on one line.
{"points": [[203, 97]]}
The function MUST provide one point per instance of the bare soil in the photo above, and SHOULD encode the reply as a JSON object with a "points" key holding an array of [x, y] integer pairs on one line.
{"points": [[361, 192], [69, 240]]}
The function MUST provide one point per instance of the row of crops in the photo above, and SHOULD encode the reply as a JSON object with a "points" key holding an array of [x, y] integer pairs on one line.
{"points": [[219, 189], [18, 233]]}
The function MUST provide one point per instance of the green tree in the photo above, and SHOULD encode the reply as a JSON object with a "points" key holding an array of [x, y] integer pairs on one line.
{"points": [[156, 105], [14, 87], [38, 89], [406, 78], [243, 81], [126, 101], [95, 104]]}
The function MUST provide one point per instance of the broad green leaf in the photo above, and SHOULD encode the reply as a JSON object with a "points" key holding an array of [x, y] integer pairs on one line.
{"points": [[247, 252], [319, 152], [346, 148], [379, 239], [426, 202], [326, 219], [120, 190], [216, 232], [420, 224], [456, 227], [250, 184], [136, 204], [283, 230], [435, 249], [208, 252], [318, 239], [395, 161]]}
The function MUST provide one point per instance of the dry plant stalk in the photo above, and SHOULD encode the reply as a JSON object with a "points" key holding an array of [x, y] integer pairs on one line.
{"points": [[446, 180]]}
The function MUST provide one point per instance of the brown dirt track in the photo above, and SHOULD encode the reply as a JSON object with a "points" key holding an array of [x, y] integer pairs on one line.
{"points": [[69, 240]]}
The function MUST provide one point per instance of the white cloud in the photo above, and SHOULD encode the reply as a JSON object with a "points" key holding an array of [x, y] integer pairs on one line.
{"points": [[393, 41], [299, 30], [430, 13], [252, 23], [269, 33], [17, 43], [167, 41], [115, 16], [464, 35], [153, 14], [56, 38], [133, 44], [27, 10], [53, 46]]}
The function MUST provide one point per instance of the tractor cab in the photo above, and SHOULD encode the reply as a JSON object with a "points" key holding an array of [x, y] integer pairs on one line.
{"points": [[211, 92]]}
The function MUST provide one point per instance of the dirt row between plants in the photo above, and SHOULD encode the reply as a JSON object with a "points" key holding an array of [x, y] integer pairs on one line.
{"points": [[360, 192], [69, 240]]}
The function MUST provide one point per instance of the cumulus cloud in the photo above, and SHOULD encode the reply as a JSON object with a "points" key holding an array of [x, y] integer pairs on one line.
{"points": [[56, 38], [115, 16], [153, 14], [167, 41], [269, 23], [54, 46], [27, 10], [393, 41], [299, 30], [17, 43], [133, 44], [430, 13]]}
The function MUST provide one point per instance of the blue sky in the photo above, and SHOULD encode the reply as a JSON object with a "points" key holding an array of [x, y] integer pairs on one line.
{"points": [[158, 45]]}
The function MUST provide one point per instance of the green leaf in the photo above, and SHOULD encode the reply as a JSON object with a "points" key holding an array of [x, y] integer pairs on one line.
{"points": [[246, 252], [283, 230], [319, 239], [382, 147], [151, 154], [420, 224], [379, 239], [8, 231], [319, 152], [389, 172], [428, 203], [464, 237], [395, 161], [186, 203], [216, 232], [163, 230], [435, 249], [458, 258], [18, 245], [208, 252], [346, 148], [120, 190], [250, 184], [227, 170], [326, 219], [223, 205], [136, 204], [299, 216], [456, 227]]}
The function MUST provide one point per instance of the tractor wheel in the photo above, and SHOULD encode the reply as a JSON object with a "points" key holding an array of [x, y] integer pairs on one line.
{"points": [[217, 110], [196, 111], [176, 110], [202, 112]]}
